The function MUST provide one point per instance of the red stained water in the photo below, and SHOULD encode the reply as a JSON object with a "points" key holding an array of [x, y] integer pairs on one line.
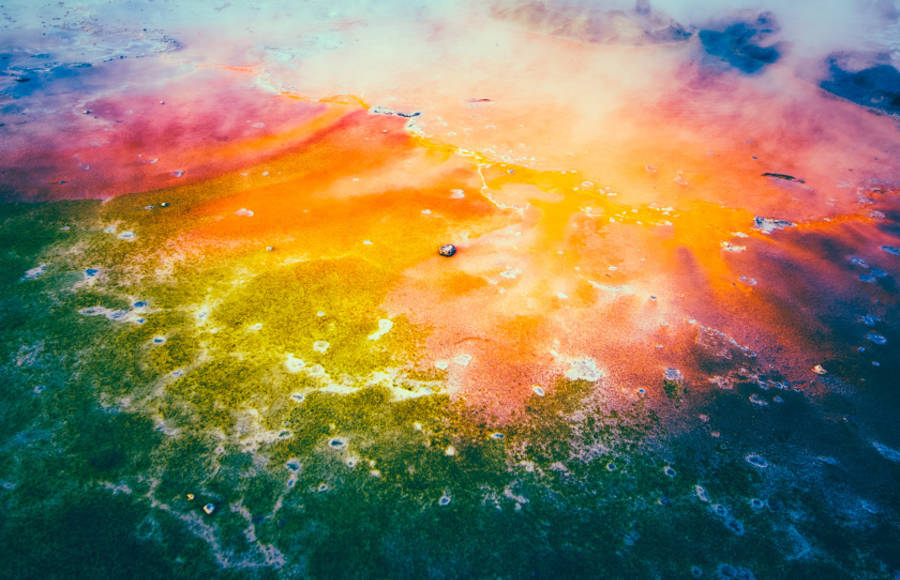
{"points": [[133, 140]]}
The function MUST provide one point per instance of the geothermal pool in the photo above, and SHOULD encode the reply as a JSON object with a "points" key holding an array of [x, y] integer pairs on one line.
{"points": [[450, 290]]}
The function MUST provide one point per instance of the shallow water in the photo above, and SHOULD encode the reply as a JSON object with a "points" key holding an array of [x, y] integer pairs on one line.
{"points": [[664, 343]]}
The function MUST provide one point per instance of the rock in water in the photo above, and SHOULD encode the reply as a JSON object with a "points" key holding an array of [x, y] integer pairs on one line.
{"points": [[447, 250]]}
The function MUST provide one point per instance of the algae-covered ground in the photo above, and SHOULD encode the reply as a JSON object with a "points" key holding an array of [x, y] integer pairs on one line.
{"points": [[252, 417]]}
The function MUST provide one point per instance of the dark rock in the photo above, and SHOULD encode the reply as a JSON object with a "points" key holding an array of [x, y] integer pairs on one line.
{"points": [[783, 176]]}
